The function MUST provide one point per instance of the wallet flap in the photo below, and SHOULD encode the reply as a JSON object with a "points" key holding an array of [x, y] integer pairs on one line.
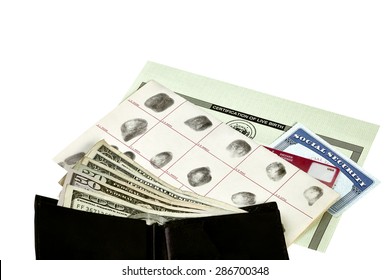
{"points": [[257, 235], [63, 233]]}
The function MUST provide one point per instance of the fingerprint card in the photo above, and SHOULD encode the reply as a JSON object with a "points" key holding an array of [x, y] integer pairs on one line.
{"points": [[192, 150]]}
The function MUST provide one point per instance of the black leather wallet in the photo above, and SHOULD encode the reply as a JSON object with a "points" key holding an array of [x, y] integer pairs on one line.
{"points": [[63, 234]]}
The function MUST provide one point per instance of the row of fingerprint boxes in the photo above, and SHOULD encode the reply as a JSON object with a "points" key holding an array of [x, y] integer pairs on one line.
{"points": [[325, 173]]}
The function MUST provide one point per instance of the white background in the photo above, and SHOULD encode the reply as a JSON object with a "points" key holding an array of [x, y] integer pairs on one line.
{"points": [[65, 64]]}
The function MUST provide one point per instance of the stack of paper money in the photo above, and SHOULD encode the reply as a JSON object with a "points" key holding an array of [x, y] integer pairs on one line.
{"points": [[106, 181]]}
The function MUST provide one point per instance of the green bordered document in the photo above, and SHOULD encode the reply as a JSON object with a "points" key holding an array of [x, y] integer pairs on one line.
{"points": [[264, 118]]}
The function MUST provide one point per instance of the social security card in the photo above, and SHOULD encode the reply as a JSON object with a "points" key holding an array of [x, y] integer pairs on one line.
{"points": [[352, 181]]}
